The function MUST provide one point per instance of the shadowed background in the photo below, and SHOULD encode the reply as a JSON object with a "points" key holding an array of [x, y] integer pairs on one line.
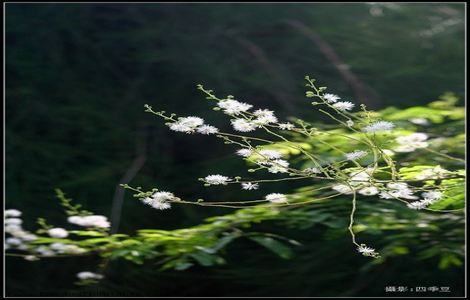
{"points": [[78, 75]]}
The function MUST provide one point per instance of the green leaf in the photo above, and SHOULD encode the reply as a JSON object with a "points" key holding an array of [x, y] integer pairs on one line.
{"points": [[275, 246]]}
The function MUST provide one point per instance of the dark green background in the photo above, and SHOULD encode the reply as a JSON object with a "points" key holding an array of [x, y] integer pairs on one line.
{"points": [[78, 75]]}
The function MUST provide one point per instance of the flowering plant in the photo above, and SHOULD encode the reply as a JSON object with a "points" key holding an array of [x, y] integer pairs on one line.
{"points": [[366, 156]]}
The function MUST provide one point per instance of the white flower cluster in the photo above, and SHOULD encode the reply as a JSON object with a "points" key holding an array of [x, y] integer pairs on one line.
{"points": [[429, 198], [344, 105], [398, 190], [250, 186], [355, 155], [272, 160], [90, 221], [411, 142], [276, 198], [433, 173], [62, 248], [19, 237], [379, 126], [160, 200], [192, 124], [331, 98], [217, 179], [360, 181], [89, 275], [367, 251], [59, 233], [233, 107]]}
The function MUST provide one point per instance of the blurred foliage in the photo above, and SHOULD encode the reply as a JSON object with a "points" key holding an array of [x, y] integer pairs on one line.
{"points": [[77, 78]]}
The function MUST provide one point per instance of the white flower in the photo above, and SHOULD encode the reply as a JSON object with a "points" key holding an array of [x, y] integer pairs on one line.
{"points": [[90, 221], [361, 176], [26, 236], [286, 126], [379, 126], [344, 105], [207, 129], [250, 186], [233, 107], [13, 221], [369, 191], [432, 173], [216, 179], [243, 125], [276, 198], [331, 98], [57, 246], [191, 121], [388, 152], [312, 170], [13, 241], [13, 228], [350, 123], [244, 152], [31, 258], [355, 155], [399, 193], [432, 195], [397, 185], [12, 213], [419, 121], [181, 128], [412, 138], [187, 124], [417, 205], [412, 141], [367, 251], [264, 117], [59, 233], [89, 275], [73, 249], [278, 166], [270, 154], [159, 200], [342, 188]]}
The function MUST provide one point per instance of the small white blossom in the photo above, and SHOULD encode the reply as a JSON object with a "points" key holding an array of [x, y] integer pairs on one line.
{"points": [[186, 124], [13, 221], [90, 221], [264, 117], [13, 228], [276, 198], [59, 233], [31, 258], [397, 185], [411, 142], [244, 152], [233, 107], [12, 213], [350, 123], [355, 155], [343, 105], [243, 125], [13, 241], [436, 172], [159, 200], [369, 191], [207, 129], [312, 170], [89, 275], [286, 126], [417, 205], [270, 154], [419, 121], [250, 186], [331, 98], [278, 166], [367, 251], [388, 152], [343, 189], [216, 179], [432, 195], [379, 126]]}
